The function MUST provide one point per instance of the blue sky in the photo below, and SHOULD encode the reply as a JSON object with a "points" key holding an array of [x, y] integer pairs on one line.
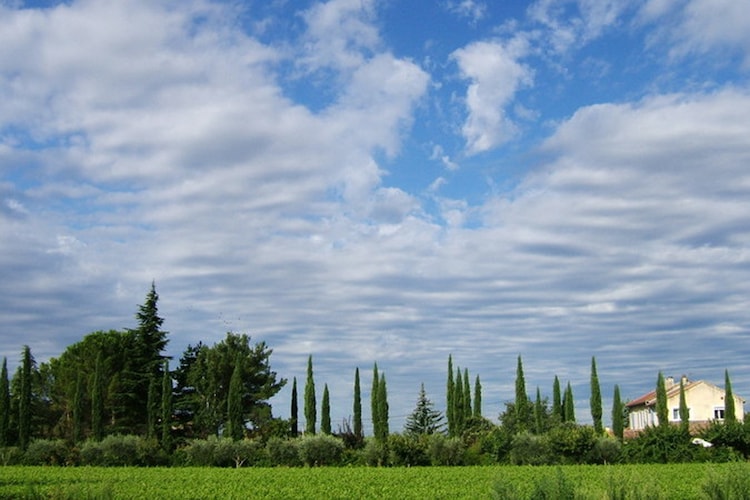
{"points": [[367, 180]]}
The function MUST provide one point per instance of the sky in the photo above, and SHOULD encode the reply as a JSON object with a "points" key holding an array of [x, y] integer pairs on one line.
{"points": [[385, 181]]}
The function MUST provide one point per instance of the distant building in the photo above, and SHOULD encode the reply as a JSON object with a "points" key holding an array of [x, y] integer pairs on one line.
{"points": [[705, 402]]}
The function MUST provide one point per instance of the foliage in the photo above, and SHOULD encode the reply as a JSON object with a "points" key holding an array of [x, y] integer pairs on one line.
{"points": [[596, 399], [310, 402], [357, 407], [47, 452], [662, 410], [662, 444], [618, 424], [224, 452], [530, 449], [294, 411], [445, 450], [522, 405], [449, 394], [424, 419], [325, 417], [122, 450], [729, 409], [5, 407], [684, 410], [477, 412], [408, 450], [732, 483], [166, 408], [605, 450], [734, 436], [320, 450], [375, 453], [24, 398], [283, 452], [235, 425], [569, 405], [572, 444]]}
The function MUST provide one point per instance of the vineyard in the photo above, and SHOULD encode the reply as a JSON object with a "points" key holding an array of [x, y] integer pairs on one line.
{"points": [[676, 481]]}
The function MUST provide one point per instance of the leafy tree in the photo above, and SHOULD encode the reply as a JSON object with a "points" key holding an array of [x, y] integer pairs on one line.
{"points": [[358, 433], [477, 397], [166, 408], [729, 408], [24, 398], [684, 410], [78, 409], [187, 401], [310, 410], [424, 419], [618, 425], [4, 404], [522, 399], [569, 405], [294, 425], [97, 405], [662, 410], [449, 391], [325, 417], [557, 403], [235, 426], [596, 399]]}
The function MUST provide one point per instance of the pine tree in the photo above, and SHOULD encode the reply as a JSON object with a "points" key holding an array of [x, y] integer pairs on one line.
{"points": [[310, 411], [97, 399], [24, 403], [325, 417], [235, 427], [618, 424], [357, 407], [477, 397], [449, 391], [538, 413], [557, 402], [374, 404], [684, 410], [383, 408], [424, 419], [522, 399], [294, 424], [729, 408], [662, 410], [596, 400], [4, 404], [569, 405], [166, 408]]}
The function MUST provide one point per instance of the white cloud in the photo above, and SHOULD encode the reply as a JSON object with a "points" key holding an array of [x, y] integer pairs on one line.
{"points": [[496, 74], [474, 11]]}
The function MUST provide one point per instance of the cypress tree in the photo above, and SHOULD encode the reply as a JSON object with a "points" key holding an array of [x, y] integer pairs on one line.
{"points": [[374, 404], [458, 403], [729, 408], [4, 404], [596, 399], [166, 408], [78, 400], [97, 399], [467, 397], [310, 411], [325, 417], [294, 424], [557, 403], [538, 413], [522, 399], [235, 428], [24, 404], [449, 391], [151, 408], [662, 410], [383, 408], [684, 410], [618, 424], [569, 405], [357, 406], [477, 397]]}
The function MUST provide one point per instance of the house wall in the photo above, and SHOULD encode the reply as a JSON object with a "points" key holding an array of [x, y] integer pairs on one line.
{"points": [[703, 399]]}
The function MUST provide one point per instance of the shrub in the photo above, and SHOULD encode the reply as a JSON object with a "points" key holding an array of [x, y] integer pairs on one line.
{"points": [[283, 452], [11, 455], [122, 450], [530, 449], [668, 444], [223, 452], [606, 450], [46, 452], [375, 453], [445, 451], [320, 450], [408, 450], [571, 443]]}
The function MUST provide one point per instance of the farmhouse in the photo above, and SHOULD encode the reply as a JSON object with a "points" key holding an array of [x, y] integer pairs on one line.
{"points": [[705, 402]]}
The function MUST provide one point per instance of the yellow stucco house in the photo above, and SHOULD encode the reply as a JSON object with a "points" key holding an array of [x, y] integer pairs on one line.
{"points": [[705, 402]]}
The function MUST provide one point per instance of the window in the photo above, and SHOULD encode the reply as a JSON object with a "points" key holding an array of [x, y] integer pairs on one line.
{"points": [[719, 413], [676, 414]]}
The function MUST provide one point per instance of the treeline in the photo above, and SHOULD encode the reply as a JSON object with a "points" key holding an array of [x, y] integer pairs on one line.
{"points": [[112, 399]]}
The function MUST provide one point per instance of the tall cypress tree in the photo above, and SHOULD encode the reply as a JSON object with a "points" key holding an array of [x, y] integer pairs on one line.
{"points": [[24, 403], [325, 417], [596, 399], [522, 399], [294, 424], [477, 397], [383, 408], [4, 404], [467, 397], [97, 399], [235, 428], [662, 410], [538, 413], [684, 410], [166, 408], [357, 406], [310, 411], [729, 408], [374, 404], [458, 403], [557, 402], [449, 394], [151, 408], [618, 424], [569, 405]]}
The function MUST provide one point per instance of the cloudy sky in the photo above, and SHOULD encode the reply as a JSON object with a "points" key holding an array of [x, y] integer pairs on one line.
{"points": [[390, 181]]}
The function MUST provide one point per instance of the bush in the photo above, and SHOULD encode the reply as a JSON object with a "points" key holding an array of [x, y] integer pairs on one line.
{"points": [[445, 451], [47, 452], [320, 450], [571, 443], [223, 452], [606, 450], [122, 450], [11, 455], [408, 450], [668, 444], [530, 449], [283, 452], [375, 453]]}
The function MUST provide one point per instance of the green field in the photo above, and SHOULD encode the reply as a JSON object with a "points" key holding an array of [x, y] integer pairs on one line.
{"points": [[681, 481]]}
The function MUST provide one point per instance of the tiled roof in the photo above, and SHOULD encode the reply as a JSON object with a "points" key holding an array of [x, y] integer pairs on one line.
{"points": [[649, 399]]}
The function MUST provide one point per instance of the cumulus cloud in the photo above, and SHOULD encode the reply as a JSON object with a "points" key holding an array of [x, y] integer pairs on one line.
{"points": [[496, 74]]}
